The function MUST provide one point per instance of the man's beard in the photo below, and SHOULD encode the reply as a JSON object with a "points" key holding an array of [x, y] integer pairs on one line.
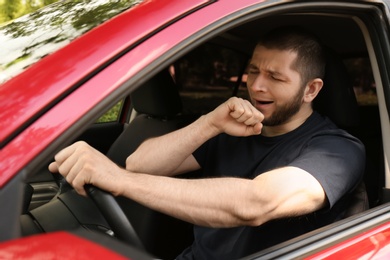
{"points": [[284, 113]]}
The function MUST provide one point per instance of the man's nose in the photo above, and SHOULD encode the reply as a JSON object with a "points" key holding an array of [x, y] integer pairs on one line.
{"points": [[259, 83]]}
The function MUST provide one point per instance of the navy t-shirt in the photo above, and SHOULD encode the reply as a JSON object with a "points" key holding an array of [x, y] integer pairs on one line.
{"points": [[334, 157]]}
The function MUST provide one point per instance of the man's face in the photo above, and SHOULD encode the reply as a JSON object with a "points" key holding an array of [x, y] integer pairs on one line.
{"points": [[273, 86]]}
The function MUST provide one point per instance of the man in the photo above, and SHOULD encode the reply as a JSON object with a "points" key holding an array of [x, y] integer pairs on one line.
{"points": [[273, 168]]}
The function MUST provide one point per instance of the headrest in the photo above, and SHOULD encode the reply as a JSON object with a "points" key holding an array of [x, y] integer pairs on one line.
{"points": [[337, 99], [158, 97]]}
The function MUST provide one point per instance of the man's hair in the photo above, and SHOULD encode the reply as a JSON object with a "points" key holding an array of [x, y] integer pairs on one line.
{"points": [[310, 61]]}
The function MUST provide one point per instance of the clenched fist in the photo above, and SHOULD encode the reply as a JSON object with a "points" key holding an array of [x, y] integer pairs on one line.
{"points": [[236, 117]]}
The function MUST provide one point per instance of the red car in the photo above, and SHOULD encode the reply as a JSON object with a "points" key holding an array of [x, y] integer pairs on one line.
{"points": [[101, 71]]}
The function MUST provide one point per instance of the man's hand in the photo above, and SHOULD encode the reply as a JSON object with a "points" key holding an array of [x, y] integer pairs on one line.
{"points": [[237, 117], [81, 164]]}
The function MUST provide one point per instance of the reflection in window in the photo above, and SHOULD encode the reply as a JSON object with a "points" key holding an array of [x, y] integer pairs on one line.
{"points": [[30, 38]]}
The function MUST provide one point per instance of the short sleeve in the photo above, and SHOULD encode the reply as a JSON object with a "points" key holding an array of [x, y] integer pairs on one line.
{"points": [[336, 160]]}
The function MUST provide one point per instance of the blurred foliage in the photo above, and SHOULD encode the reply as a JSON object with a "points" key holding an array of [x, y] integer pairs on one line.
{"points": [[12, 9], [360, 72], [112, 114], [29, 38]]}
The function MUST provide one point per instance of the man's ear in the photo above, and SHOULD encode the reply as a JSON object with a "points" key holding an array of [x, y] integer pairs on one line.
{"points": [[312, 89]]}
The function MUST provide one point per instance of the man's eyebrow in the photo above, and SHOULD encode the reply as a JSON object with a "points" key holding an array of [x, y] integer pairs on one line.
{"points": [[269, 71]]}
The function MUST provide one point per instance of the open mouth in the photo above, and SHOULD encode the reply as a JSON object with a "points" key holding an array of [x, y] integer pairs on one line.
{"points": [[262, 102]]}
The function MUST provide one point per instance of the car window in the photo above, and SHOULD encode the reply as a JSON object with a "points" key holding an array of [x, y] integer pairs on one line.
{"points": [[359, 69], [208, 76], [206, 82], [53, 27], [111, 115]]}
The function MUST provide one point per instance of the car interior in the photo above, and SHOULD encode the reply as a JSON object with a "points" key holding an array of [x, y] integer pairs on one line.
{"points": [[196, 82]]}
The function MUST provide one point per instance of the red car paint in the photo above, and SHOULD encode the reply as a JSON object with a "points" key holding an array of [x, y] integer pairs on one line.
{"points": [[58, 245], [372, 244]]}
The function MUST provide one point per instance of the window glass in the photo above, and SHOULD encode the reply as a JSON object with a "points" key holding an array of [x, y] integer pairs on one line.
{"points": [[29, 38]]}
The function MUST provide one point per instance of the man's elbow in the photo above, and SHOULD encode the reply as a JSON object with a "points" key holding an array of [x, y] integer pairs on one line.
{"points": [[296, 205], [256, 213]]}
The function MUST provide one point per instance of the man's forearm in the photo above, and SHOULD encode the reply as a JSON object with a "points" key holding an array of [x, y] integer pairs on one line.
{"points": [[165, 154], [213, 202], [171, 154], [227, 201]]}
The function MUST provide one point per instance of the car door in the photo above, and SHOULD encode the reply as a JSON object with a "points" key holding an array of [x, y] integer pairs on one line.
{"points": [[42, 88]]}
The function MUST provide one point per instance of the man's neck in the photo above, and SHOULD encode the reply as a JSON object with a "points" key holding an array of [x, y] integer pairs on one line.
{"points": [[293, 123]]}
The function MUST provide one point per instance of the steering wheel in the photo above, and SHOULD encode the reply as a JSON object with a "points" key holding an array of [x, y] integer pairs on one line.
{"points": [[110, 210], [114, 215]]}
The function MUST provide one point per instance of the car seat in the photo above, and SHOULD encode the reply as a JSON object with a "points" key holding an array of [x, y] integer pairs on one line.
{"points": [[337, 101], [159, 107]]}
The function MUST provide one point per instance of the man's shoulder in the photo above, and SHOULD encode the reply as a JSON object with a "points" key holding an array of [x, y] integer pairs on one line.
{"points": [[322, 125]]}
